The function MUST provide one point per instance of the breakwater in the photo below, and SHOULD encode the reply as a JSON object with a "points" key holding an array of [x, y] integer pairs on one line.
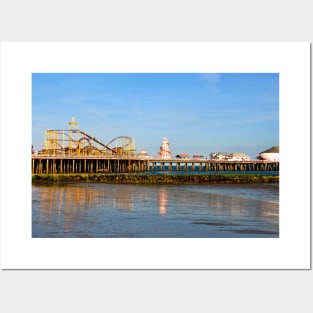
{"points": [[146, 178]]}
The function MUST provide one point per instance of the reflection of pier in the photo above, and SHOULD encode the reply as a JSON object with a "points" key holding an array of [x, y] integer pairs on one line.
{"points": [[163, 201], [43, 164], [75, 200]]}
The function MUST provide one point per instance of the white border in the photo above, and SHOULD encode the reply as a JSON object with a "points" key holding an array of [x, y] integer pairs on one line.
{"points": [[20, 251]]}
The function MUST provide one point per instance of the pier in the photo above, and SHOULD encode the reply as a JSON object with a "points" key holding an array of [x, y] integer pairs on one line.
{"points": [[52, 164], [87, 164], [73, 151]]}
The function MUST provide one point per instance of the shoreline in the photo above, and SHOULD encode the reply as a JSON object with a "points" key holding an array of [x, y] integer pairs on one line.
{"points": [[156, 179]]}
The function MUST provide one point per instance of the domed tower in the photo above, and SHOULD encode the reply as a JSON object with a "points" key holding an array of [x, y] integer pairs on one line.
{"points": [[165, 152], [72, 124]]}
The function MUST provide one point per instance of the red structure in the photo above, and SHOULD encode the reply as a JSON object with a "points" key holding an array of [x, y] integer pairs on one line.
{"points": [[165, 152]]}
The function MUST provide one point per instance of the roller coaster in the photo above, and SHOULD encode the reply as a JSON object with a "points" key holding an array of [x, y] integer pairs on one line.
{"points": [[76, 142]]}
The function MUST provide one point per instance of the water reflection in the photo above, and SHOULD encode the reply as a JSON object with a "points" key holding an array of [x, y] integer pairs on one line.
{"points": [[104, 210], [77, 199], [242, 206], [163, 201]]}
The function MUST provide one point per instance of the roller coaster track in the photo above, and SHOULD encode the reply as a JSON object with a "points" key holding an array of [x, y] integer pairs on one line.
{"points": [[127, 141], [68, 133], [95, 140], [56, 140]]}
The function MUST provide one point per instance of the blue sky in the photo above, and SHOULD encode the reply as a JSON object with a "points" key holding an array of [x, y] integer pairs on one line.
{"points": [[199, 113]]}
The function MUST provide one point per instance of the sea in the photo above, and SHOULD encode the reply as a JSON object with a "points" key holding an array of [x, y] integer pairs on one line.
{"points": [[100, 210]]}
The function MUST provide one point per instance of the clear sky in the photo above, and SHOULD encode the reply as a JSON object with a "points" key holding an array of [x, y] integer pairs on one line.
{"points": [[199, 113]]}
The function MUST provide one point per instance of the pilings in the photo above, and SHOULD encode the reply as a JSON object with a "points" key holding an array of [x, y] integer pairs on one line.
{"points": [[55, 164], [212, 165]]}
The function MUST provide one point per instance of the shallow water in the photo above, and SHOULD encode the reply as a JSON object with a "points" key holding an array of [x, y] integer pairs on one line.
{"points": [[95, 210]]}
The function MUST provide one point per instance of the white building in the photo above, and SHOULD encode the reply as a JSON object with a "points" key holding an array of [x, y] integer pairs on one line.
{"points": [[271, 154], [229, 156], [238, 157], [144, 154]]}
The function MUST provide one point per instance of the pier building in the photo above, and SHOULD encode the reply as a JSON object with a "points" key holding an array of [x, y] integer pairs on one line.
{"points": [[271, 154], [75, 151]]}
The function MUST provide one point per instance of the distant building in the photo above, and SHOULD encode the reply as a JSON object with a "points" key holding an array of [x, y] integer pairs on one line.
{"points": [[165, 152], [238, 157], [143, 154], [271, 154], [229, 156], [182, 156], [219, 156], [198, 157]]}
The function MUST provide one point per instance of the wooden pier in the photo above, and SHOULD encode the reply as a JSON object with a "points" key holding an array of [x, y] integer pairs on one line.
{"points": [[211, 165], [43, 164]]}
